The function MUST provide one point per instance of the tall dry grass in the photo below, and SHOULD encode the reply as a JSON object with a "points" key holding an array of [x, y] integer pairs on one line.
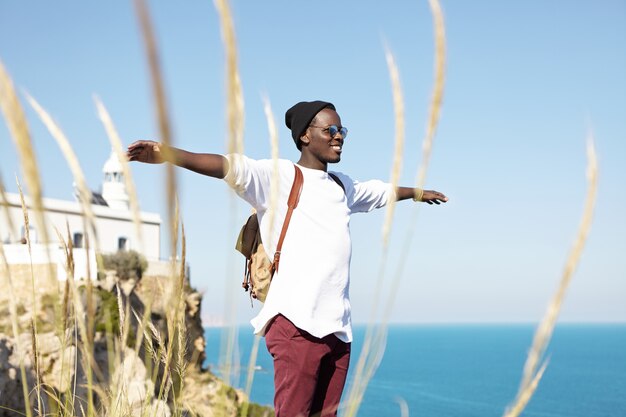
{"points": [[235, 122], [162, 115], [234, 92], [174, 291], [376, 334], [34, 305], [398, 154], [167, 351], [72, 161], [19, 132], [535, 364], [78, 308], [274, 152], [118, 148], [274, 191], [7, 282]]}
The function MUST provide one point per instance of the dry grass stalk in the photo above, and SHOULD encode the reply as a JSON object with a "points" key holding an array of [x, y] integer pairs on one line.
{"points": [[181, 332], [91, 307], [30, 253], [235, 117], [122, 315], [235, 102], [273, 133], [4, 202], [91, 316], [161, 109], [116, 144], [525, 395], [69, 266], [437, 97], [250, 378], [148, 338], [6, 272], [57, 406], [67, 313], [544, 331], [396, 170], [143, 322], [373, 344], [88, 361], [68, 247], [174, 287], [404, 406], [72, 161], [33, 334], [113, 357], [16, 121], [274, 190], [160, 342], [173, 295], [369, 360], [120, 310]]}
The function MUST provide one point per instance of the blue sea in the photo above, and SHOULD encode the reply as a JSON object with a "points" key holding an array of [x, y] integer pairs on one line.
{"points": [[472, 370]]}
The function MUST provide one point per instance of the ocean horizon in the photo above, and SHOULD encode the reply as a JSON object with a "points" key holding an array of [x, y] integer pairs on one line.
{"points": [[467, 369]]}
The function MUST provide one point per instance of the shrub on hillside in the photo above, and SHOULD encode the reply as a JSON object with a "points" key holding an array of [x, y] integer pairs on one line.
{"points": [[127, 264]]}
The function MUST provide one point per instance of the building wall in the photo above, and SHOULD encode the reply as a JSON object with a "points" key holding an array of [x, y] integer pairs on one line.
{"points": [[27, 285], [111, 225], [40, 255]]}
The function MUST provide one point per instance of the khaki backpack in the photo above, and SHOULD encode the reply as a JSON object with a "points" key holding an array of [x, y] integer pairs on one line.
{"points": [[259, 270]]}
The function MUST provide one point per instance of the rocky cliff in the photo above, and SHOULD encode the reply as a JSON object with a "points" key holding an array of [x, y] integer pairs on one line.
{"points": [[124, 356]]}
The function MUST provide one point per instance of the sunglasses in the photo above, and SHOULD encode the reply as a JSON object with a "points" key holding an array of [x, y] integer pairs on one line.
{"points": [[333, 130]]}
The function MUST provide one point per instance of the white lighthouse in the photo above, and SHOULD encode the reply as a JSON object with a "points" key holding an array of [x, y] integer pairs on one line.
{"points": [[113, 186]]}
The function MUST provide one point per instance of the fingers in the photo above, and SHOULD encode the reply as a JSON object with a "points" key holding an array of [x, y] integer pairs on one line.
{"points": [[140, 144], [137, 153], [137, 150], [434, 197]]}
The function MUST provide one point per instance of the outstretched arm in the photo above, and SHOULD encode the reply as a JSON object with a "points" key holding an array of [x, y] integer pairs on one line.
{"points": [[426, 196], [150, 152]]}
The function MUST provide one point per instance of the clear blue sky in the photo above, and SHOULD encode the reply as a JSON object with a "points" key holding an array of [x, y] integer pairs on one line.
{"points": [[525, 80]]}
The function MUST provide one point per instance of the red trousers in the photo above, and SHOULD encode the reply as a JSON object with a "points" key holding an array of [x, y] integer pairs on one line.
{"points": [[309, 373]]}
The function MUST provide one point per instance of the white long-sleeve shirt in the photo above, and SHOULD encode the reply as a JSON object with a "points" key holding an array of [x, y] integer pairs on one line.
{"points": [[311, 287]]}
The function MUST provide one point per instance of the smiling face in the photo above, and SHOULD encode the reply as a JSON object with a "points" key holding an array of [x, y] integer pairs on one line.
{"points": [[318, 147]]}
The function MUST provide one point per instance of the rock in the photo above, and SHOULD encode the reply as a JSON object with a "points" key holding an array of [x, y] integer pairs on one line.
{"points": [[11, 389], [158, 408], [61, 375]]}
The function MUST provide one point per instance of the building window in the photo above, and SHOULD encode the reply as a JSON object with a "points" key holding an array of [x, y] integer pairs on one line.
{"points": [[78, 240], [122, 243]]}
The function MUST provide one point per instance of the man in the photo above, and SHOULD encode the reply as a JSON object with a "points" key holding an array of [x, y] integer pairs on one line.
{"points": [[306, 315]]}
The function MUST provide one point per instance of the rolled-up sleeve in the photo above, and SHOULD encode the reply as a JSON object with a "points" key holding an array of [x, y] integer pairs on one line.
{"points": [[249, 178], [370, 195]]}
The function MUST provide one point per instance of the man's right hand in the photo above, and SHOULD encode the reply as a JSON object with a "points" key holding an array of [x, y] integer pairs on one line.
{"points": [[146, 151]]}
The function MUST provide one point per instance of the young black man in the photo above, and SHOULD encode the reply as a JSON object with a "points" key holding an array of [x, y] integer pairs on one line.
{"points": [[306, 316]]}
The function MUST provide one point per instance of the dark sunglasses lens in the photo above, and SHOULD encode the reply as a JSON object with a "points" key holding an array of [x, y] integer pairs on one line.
{"points": [[333, 130]]}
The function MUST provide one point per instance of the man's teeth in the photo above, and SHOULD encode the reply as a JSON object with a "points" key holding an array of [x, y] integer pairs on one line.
{"points": [[336, 147]]}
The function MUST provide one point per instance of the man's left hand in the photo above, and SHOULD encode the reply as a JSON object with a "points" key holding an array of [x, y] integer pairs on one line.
{"points": [[431, 196]]}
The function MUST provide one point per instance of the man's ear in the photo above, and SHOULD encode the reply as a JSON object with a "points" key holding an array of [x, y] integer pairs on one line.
{"points": [[304, 139]]}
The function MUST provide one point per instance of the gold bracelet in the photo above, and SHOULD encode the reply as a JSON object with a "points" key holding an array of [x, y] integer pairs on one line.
{"points": [[419, 193]]}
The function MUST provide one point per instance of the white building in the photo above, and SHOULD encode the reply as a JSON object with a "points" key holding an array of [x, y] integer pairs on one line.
{"points": [[114, 225]]}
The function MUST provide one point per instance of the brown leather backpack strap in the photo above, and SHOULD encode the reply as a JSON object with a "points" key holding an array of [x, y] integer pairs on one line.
{"points": [[292, 203]]}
